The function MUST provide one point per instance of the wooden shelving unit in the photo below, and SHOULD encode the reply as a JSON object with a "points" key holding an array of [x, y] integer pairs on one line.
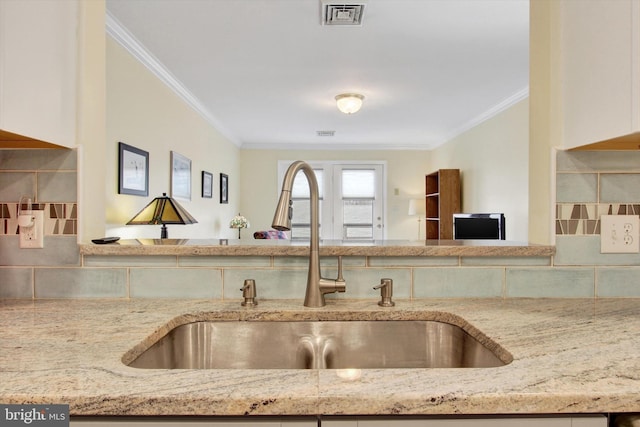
{"points": [[442, 201]]}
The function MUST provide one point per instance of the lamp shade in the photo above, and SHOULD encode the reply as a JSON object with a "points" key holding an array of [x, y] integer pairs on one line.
{"points": [[162, 210], [416, 207], [349, 103]]}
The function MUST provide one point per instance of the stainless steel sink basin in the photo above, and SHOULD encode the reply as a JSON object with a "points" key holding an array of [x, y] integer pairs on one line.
{"points": [[317, 345]]}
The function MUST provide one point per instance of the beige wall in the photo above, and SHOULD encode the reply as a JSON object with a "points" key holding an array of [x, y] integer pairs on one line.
{"points": [[492, 157], [143, 112], [546, 117], [91, 120], [405, 172], [493, 162]]}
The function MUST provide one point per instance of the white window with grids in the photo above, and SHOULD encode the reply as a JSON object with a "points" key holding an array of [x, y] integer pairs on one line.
{"points": [[351, 200]]}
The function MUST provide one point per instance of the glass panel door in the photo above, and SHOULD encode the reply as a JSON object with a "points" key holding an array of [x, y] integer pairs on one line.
{"points": [[358, 202]]}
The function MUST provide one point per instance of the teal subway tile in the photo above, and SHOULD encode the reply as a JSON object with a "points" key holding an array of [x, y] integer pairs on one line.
{"points": [[585, 250], [57, 187], [129, 261], [58, 250], [224, 261], [16, 283], [14, 185], [576, 187], [550, 282], [175, 283], [458, 282], [618, 282], [504, 261], [619, 188], [347, 261], [297, 261], [303, 261], [413, 261], [38, 159], [593, 161], [360, 282], [270, 283], [80, 283]]}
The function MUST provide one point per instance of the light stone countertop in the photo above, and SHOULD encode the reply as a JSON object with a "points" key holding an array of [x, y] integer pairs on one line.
{"points": [[235, 247], [569, 356]]}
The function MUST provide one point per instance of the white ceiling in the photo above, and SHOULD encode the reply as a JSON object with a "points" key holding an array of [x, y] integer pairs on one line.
{"points": [[266, 72]]}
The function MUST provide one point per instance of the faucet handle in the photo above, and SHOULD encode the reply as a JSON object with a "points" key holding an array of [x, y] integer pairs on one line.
{"points": [[249, 293], [386, 291]]}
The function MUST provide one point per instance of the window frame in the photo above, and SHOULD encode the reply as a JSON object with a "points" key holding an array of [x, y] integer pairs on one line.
{"points": [[328, 232]]}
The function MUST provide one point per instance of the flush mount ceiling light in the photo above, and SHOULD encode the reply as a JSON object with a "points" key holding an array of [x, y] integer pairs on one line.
{"points": [[349, 103]]}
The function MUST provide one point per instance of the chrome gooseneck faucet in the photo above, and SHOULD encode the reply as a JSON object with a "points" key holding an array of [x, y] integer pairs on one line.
{"points": [[317, 286]]}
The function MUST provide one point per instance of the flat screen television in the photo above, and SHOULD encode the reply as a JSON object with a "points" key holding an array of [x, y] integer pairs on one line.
{"points": [[478, 226]]}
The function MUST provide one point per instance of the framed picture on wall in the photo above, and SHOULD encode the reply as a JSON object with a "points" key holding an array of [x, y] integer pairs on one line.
{"points": [[224, 188], [207, 185], [133, 166], [180, 176]]}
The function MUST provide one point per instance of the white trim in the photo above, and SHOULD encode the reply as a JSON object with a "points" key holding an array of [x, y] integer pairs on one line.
{"points": [[121, 35], [491, 112], [80, 189], [635, 65], [552, 194], [336, 146]]}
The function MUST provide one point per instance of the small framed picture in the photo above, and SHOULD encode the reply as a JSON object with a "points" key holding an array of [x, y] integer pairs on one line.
{"points": [[180, 176], [207, 185], [224, 188], [133, 165]]}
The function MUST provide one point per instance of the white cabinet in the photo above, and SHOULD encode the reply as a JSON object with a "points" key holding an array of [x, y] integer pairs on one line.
{"points": [[590, 421], [38, 51], [600, 70]]}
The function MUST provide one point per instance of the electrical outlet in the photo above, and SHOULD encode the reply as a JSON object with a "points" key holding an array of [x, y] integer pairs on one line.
{"points": [[619, 234], [33, 237]]}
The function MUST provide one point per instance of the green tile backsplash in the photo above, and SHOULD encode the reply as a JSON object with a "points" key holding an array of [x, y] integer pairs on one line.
{"points": [[594, 183], [474, 282], [49, 178], [557, 282], [620, 187], [80, 283], [175, 283], [589, 184], [576, 187]]}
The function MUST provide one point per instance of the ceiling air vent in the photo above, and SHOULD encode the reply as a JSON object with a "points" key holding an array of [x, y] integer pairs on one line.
{"points": [[342, 13], [325, 132]]}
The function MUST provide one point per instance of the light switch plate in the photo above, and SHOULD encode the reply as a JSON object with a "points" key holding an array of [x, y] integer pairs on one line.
{"points": [[619, 234], [33, 237]]}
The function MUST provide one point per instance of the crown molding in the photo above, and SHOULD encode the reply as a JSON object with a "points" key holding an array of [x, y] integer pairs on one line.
{"points": [[121, 35], [336, 146], [490, 113]]}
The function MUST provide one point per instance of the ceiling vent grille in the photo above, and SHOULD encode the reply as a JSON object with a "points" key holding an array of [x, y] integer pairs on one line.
{"points": [[325, 132], [341, 13]]}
